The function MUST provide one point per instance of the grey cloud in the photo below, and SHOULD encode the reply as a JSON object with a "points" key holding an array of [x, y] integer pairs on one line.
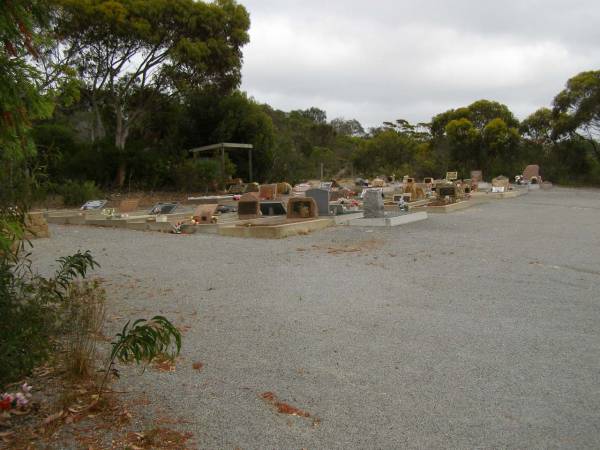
{"points": [[378, 61]]}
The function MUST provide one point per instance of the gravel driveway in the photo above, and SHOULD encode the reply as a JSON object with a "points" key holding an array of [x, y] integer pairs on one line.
{"points": [[474, 329]]}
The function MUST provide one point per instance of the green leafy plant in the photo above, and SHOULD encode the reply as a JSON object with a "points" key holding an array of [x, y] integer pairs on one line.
{"points": [[144, 341], [32, 308], [75, 193]]}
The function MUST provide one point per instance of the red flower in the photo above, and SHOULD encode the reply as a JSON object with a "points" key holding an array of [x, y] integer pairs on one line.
{"points": [[5, 404]]}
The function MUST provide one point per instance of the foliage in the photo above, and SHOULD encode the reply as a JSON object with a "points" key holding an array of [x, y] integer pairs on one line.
{"points": [[577, 109], [127, 51], [21, 100], [31, 305], [83, 318], [143, 342], [194, 175], [76, 193]]}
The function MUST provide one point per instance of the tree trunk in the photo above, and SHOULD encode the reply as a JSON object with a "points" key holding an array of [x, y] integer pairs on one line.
{"points": [[122, 130]]}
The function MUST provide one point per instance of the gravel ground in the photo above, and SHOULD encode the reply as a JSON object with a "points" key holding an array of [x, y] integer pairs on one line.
{"points": [[473, 329]]}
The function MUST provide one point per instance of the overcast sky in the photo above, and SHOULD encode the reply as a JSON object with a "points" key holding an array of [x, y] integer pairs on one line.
{"points": [[383, 60]]}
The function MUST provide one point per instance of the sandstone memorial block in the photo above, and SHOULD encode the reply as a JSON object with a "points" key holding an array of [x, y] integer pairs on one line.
{"points": [[302, 208], [249, 206]]}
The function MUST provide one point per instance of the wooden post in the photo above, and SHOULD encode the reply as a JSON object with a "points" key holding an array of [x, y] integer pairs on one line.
{"points": [[223, 165], [250, 164]]}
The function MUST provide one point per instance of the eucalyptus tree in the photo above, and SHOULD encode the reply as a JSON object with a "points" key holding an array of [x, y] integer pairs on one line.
{"points": [[125, 51]]}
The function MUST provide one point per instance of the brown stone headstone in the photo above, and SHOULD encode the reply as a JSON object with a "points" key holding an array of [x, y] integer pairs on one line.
{"points": [[267, 191], [476, 176], [501, 182], [205, 213], [302, 208], [129, 205], [531, 173], [249, 206], [284, 188]]}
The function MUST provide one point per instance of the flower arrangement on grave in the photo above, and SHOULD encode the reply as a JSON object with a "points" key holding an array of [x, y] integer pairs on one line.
{"points": [[177, 227], [15, 401]]}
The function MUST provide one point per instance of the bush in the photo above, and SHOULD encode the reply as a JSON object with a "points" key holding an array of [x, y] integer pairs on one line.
{"points": [[197, 174], [31, 305], [76, 193], [83, 319]]}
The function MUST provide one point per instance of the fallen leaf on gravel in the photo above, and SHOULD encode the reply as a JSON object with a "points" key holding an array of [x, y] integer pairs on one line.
{"points": [[197, 366], [283, 408], [53, 417]]}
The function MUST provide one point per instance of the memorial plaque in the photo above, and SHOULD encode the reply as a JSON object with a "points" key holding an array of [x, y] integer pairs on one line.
{"points": [[163, 208], [446, 191], [93, 204], [236, 189], [451, 176], [321, 197], [129, 205]]}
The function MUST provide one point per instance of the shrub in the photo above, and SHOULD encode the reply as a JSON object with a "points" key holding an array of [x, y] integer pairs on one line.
{"points": [[199, 174], [83, 319], [30, 304], [76, 193]]}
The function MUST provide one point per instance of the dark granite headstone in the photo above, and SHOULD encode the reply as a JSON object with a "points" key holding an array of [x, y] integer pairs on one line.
{"points": [[321, 197], [272, 208], [446, 191], [163, 208], [93, 204], [373, 204]]}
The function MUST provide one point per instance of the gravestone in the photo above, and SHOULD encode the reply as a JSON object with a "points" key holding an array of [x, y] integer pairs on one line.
{"points": [[252, 187], [373, 204], [163, 208], [93, 204], [532, 173], [272, 208], [284, 188], [204, 213], [249, 206], [321, 197], [129, 205], [326, 185], [446, 190], [500, 184], [267, 191], [236, 189], [302, 208], [451, 176], [223, 209], [476, 176]]}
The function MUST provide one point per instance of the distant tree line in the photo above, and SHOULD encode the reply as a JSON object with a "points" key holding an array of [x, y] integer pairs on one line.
{"points": [[134, 85]]}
